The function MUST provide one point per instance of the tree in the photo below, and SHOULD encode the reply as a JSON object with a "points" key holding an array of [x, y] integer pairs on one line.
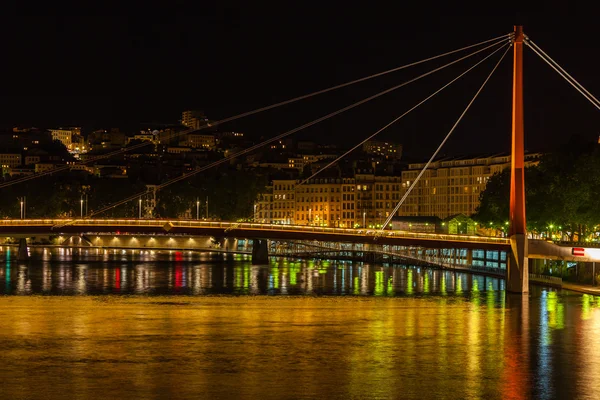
{"points": [[104, 192], [493, 207], [562, 192], [231, 193]]}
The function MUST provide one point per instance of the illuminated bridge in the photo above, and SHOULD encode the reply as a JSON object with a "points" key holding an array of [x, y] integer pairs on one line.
{"points": [[446, 250]]}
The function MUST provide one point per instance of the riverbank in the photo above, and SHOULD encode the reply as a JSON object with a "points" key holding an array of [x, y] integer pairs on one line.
{"points": [[576, 287]]}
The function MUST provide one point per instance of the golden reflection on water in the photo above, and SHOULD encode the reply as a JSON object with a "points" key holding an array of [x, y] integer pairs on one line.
{"points": [[404, 332], [302, 347]]}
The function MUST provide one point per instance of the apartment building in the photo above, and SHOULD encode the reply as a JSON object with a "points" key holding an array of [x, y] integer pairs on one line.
{"points": [[10, 160], [452, 186], [301, 161], [70, 137], [365, 200], [197, 140], [447, 188], [193, 119], [348, 213], [386, 150], [263, 207], [283, 201], [319, 202]]}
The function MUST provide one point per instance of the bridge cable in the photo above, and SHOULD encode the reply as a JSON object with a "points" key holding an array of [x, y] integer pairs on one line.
{"points": [[401, 116], [365, 100], [389, 218], [564, 74], [332, 114], [407, 112], [499, 39], [395, 120]]}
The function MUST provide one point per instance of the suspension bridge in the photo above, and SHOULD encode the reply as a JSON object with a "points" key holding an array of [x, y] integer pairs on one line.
{"points": [[517, 246]]}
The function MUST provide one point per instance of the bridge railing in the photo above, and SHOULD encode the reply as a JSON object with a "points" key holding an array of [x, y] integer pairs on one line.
{"points": [[577, 244], [555, 280], [250, 226]]}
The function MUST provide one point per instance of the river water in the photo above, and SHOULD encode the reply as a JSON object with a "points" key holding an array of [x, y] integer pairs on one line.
{"points": [[114, 325]]}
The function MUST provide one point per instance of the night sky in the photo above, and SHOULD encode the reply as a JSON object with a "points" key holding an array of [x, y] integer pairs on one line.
{"points": [[149, 64]]}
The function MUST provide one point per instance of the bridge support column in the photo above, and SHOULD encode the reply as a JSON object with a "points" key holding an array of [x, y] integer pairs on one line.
{"points": [[469, 257], [517, 271], [368, 255], [230, 246], [517, 274], [23, 254], [260, 252]]}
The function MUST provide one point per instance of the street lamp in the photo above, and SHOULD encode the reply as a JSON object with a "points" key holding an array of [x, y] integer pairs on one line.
{"points": [[254, 215], [197, 208], [22, 207], [81, 207], [140, 211], [364, 218]]}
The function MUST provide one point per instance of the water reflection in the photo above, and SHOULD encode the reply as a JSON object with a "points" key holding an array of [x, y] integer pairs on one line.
{"points": [[328, 330], [282, 277]]}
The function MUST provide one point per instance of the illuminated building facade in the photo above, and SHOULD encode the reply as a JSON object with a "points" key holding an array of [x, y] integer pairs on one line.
{"points": [[283, 201], [386, 150], [10, 160], [376, 197], [193, 119], [452, 186], [70, 137], [348, 213], [197, 140], [263, 207], [363, 201], [319, 202], [449, 187], [300, 162]]}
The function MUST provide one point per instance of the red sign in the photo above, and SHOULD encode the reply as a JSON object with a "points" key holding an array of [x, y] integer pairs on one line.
{"points": [[578, 251]]}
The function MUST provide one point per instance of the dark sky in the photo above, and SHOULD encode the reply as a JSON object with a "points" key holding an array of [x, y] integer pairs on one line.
{"points": [[105, 68]]}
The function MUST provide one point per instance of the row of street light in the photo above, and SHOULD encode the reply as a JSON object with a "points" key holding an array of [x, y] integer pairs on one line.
{"points": [[198, 207], [82, 201]]}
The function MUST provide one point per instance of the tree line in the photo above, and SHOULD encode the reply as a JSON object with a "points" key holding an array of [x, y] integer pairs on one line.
{"points": [[562, 193], [231, 194]]}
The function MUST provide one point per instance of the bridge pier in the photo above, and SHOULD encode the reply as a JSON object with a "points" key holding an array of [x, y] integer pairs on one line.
{"points": [[517, 270], [230, 246], [260, 252], [23, 253], [368, 255]]}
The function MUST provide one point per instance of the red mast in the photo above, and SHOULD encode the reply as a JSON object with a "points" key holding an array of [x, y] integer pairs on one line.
{"points": [[518, 271]]}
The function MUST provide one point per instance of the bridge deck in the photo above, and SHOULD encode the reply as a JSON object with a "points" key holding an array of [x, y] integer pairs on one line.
{"points": [[31, 227], [246, 230]]}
